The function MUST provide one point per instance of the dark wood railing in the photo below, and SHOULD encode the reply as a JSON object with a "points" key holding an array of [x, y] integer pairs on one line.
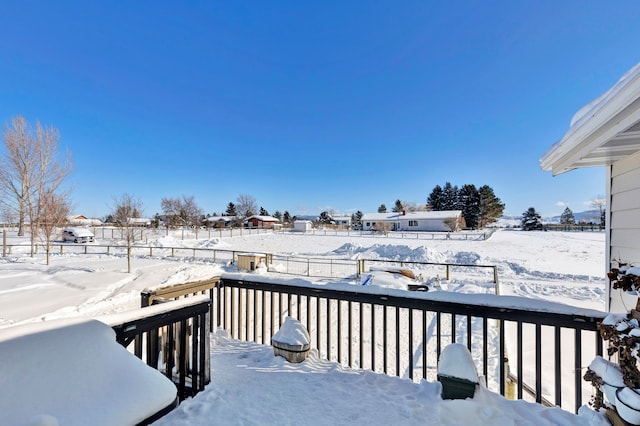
{"points": [[172, 338], [403, 335]]}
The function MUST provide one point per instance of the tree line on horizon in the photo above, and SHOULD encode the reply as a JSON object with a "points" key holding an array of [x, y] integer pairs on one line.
{"points": [[531, 219]]}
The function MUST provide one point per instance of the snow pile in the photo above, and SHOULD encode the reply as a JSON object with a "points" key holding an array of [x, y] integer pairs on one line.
{"points": [[608, 371], [391, 252], [292, 333], [456, 361], [73, 372]]}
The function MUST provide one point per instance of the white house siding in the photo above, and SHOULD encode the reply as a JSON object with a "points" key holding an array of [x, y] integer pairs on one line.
{"points": [[435, 221], [624, 222], [432, 225]]}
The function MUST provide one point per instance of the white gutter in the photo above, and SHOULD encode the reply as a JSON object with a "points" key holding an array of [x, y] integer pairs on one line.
{"points": [[596, 123]]}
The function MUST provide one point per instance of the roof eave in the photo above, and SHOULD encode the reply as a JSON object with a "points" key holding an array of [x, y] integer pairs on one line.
{"points": [[620, 113]]}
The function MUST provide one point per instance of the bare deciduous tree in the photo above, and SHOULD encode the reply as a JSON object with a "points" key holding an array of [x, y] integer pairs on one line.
{"points": [[181, 212], [30, 170], [246, 205], [454, 223], [125, 209], [54, 210], [599, 203], [382, 227], [8, 214]]}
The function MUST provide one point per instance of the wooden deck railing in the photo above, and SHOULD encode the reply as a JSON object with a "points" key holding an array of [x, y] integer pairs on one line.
{"points": [[403, 335], [172, 338]]}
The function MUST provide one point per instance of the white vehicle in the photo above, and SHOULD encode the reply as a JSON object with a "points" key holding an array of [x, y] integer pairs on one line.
{"points": [[78, 235]]}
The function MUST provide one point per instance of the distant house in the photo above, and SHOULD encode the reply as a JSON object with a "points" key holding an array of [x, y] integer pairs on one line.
{"points": [[220, 221], [434, 221], [82, 220], [342, 221], [302, 225], [606, 132], [265, 222], [139, 221]]}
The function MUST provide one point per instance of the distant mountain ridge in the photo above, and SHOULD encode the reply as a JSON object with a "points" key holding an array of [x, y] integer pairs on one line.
{"points": [[585, 216]]}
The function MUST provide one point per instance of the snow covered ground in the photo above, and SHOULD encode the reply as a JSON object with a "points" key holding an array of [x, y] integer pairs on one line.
{"points": [[251, 386]]}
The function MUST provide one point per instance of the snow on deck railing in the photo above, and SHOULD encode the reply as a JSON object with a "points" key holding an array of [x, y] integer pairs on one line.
{"points": [[172, 337]]}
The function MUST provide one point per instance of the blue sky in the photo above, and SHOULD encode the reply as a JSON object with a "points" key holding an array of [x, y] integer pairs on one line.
{"points": [[312, 106]]}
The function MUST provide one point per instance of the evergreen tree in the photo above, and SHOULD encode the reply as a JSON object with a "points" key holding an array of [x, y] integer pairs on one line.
{"points": [[231, 210], [325, 218], [531, 220], [469, 202], [479, 206], [382, 208], [356, 219], [278, 215], [491, 208], [450, 197], [263, 212], [286, 217], [397, 208], [566, 218], [434, 200]]}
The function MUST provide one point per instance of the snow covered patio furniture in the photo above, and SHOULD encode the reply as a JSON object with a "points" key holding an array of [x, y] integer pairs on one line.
{"points": [[73, 372]]}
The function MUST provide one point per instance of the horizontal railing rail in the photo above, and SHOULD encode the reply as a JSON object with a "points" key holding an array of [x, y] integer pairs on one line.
{"points": [[172, 338]]}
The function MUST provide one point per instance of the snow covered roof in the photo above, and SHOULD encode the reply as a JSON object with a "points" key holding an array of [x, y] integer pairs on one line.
{"points": [[83, 220], [602, 132], [263, 218], [139, 220], [220, 218], [432, 215]]}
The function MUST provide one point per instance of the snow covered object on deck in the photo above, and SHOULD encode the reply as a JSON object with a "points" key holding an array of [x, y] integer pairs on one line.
{"points": [[457, 372], [73, 372], [291, 341]]}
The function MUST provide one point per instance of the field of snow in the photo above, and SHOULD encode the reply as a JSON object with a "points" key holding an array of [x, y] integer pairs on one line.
{"points": [[553, 266], [556, 266]]}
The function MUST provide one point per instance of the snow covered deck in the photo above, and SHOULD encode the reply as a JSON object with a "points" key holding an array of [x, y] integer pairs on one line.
{"points": [[73, 372]]}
